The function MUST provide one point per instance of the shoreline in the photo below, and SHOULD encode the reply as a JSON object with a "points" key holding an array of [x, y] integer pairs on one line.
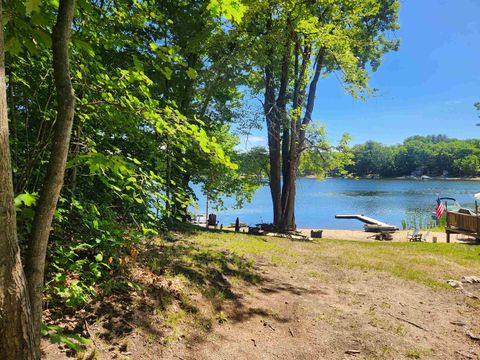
{"points": [[398, 236], [436, 178], [360, 235]]}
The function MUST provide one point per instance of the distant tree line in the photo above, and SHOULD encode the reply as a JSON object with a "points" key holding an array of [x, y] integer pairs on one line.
{"points": [[433, 155]]}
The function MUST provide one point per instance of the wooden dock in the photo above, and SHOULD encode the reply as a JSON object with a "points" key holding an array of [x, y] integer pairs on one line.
{"points": [[466, 224]]}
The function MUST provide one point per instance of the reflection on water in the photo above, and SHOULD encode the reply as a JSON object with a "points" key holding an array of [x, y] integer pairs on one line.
{"points": [[318, 202]]}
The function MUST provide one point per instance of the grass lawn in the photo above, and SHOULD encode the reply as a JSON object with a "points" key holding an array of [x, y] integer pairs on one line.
{"points": [[427, 263]]}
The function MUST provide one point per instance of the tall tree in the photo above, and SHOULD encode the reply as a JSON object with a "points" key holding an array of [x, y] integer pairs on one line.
{"points": [[37, 249], [294, 44], [16, 327]]}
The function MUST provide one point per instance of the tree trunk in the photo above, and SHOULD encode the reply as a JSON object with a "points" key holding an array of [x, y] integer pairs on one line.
{"points": [[273, 128], [291, 154], [56, 167], [311, 95], [283, 119], [16, 328]]}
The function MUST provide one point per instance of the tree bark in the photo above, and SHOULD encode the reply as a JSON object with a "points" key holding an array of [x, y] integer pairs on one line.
{"points": [[311, 94], [56, 167], [291, 153], [273, 128], [282, 115], [291, 150], [16, 328]]}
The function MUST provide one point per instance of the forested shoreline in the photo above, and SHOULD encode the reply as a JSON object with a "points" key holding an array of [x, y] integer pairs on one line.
{"points": [[433, 155]]}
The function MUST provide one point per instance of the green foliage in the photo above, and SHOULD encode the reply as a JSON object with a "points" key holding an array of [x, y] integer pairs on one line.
{"points": [[157, 90], [353, 35], [322, 159], [26, 199], [74, 274], [434, 155], [468, 166], [58, 336], [239, 181], [232, 10]]}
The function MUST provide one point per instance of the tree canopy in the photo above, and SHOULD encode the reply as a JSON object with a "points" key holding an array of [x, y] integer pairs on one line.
{"points": [[433, 155]]}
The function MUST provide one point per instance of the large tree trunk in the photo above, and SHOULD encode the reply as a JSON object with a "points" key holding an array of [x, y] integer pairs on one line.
{"points": [[291, 153], [56, 167], [274, 142], [16, 328], [283, 119]]}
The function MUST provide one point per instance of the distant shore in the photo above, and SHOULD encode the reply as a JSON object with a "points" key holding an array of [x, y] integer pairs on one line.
{"points": [[420, 178]]}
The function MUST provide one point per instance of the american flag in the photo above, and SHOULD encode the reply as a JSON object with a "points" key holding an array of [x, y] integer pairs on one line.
{"points": [[439, 209]]}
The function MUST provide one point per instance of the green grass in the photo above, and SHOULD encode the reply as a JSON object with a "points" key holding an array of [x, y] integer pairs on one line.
{"points": [[239, 243], [425, 263], [413, 354]]}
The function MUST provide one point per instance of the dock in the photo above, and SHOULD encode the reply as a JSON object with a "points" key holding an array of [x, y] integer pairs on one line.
{"points": [[463, 223], [371, 224]]}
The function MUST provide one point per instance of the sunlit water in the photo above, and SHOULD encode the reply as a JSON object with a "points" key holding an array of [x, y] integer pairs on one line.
{"points": [[318, 202]]}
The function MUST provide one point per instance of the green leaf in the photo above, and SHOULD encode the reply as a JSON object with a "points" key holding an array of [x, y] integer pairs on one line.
{"points": [[167, 72], [32, 6], [13, 46], [192, 73], [26, 198], [99, 257]]}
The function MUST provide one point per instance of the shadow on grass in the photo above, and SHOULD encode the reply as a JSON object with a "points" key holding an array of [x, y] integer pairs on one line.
{"points": [[207, 269], [177, 278]]}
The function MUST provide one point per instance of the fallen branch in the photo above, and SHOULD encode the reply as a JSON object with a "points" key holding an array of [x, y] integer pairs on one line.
{"points": [[291, 332], [267, 324], [87, 330], [466, 355], [472, 336], [352, 352], [407, 321]]}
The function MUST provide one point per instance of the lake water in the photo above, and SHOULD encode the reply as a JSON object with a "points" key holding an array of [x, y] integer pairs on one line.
{"points": [[318, 201]]}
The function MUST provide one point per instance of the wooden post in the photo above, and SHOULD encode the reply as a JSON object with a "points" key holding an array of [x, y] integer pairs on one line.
{"points": [[206, 207], [478, 225], [448, 236]]}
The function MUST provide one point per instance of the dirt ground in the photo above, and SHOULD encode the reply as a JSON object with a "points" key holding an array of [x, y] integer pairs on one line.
{"points": [[313, 305], [343, 314]]}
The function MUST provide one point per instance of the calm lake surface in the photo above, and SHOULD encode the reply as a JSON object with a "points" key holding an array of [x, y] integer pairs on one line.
{"points": [[318, 201]]}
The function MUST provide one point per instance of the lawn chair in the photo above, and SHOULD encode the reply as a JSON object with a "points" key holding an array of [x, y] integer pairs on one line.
{"points": [[415, 236]]}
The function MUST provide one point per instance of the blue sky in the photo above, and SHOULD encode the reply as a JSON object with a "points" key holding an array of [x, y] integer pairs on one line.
{"points": [[427, 87]]}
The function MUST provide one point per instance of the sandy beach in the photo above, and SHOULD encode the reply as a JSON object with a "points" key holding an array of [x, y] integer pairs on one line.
{"points": [[400, 235], [360, 235]]}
